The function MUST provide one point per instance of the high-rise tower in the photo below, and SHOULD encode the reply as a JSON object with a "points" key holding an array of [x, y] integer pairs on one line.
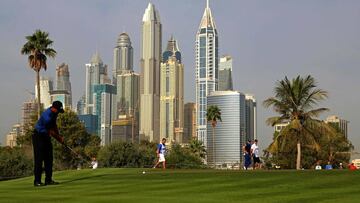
{"points": [[225, 73], [207, 60], [63, 85], [126, 81], [225, 145], [172, 94], [123, 55], [250, 116], [63, 78], [46, 86], [150, 74], [96, 73]]}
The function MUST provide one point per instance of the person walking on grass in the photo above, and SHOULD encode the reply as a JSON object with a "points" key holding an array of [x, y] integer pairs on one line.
{"points": [[255, 154], [247, 155], [46, 128], [160, 151]]}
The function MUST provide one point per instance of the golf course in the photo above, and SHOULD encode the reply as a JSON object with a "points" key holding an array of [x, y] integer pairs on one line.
{"points": [[133, 185]]}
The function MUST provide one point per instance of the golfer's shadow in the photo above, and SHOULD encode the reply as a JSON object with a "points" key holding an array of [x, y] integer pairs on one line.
{"points": [[83, 178]]}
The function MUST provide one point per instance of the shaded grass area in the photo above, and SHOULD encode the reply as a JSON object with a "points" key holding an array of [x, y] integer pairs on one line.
{"points": [[130, 185]]}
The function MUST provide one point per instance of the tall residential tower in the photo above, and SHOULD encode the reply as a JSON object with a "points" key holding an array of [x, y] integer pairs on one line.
{"points": [[126, 81], [207, 60], [123, 54], [172, 94], [225, 73], [250, 116], [225, 145], [96, 73], [46, 86], [150, 74]]}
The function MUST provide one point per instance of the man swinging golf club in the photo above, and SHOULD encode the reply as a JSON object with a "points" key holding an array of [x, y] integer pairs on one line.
{"points": [[46, 128]]}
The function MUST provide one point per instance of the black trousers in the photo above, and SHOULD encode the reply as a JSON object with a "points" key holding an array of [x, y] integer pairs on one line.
{"points": [[43, 154]]}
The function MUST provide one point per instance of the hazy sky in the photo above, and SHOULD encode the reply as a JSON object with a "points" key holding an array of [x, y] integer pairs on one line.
{"points": [[268, 39]]}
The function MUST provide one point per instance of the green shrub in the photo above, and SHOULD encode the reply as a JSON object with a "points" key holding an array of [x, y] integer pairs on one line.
{"points": [[14, 163]]}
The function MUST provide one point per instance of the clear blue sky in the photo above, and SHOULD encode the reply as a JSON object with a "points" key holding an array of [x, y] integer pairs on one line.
{"points": [[268, 39]]}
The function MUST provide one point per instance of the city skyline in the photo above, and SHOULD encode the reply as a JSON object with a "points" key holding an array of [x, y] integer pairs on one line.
{"points": [[312, 39]]}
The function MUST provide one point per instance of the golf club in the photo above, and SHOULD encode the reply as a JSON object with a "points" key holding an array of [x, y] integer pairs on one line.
{"points": [[77, 155]]}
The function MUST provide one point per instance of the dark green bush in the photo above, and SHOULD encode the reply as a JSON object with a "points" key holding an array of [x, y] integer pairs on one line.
{"points": [[14, 163]]}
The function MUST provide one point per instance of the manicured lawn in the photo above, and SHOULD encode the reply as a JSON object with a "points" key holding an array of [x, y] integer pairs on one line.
{"points": [[130, 185]]}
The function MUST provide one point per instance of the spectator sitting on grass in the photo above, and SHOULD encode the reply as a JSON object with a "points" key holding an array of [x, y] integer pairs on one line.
{"points": [[352, 167], [328, 166]]}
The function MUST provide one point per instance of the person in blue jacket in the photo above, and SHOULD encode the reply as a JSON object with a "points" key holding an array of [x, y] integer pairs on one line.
{"points": [[46, 128]]}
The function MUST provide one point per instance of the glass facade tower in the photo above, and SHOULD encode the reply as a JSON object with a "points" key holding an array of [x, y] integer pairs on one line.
{"points": [[225, 145], [207, 61]]}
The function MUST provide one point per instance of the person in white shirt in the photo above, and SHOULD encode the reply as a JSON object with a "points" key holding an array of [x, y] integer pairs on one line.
{"points": [[318, 167], [94, 163], [255, 154], [161, 150]]}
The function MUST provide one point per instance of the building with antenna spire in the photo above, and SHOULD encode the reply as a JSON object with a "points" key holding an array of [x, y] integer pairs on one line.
{"points": [[206, 68]]}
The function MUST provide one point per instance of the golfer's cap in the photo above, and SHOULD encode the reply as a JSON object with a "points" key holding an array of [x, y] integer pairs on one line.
{"points": [[58, 105]]}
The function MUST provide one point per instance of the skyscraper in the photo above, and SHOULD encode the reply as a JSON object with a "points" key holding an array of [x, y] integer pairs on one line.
{"points": [[250, 115], [28, 111], [13, 135], [123, 55], [126, 81], [225, 73], [80, 106], [46, 86], [189, 122], [150, 74], [63, 79], [96, 73], [125, 126], [172, 94], [103, 102], [127, 97], [207, 60], [229, 135]]}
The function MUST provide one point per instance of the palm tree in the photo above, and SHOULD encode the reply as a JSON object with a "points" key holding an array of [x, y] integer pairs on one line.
{"points": [[38, 48], [295, 100], [197, 147], [213, 114]]}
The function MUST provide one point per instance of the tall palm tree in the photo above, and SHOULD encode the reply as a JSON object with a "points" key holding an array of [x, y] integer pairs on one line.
{"points": [[38, 48], [295, 100], [213, 114]]}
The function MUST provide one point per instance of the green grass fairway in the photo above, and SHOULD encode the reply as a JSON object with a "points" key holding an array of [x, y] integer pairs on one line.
{"points": [[130, 185]]}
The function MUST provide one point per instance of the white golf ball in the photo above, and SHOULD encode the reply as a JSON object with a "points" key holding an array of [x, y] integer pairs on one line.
{"points": [[143, 172]]}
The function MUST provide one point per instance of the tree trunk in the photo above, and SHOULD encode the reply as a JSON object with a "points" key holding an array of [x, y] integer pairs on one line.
{"points": [[298, 157], [214, 156], [38, 93]]}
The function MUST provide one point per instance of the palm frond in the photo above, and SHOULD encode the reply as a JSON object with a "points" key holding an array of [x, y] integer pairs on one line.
{"points": [[38, 48]]}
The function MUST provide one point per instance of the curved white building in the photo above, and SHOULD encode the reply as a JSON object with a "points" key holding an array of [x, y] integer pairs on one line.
{"points": [[226, 147]]}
